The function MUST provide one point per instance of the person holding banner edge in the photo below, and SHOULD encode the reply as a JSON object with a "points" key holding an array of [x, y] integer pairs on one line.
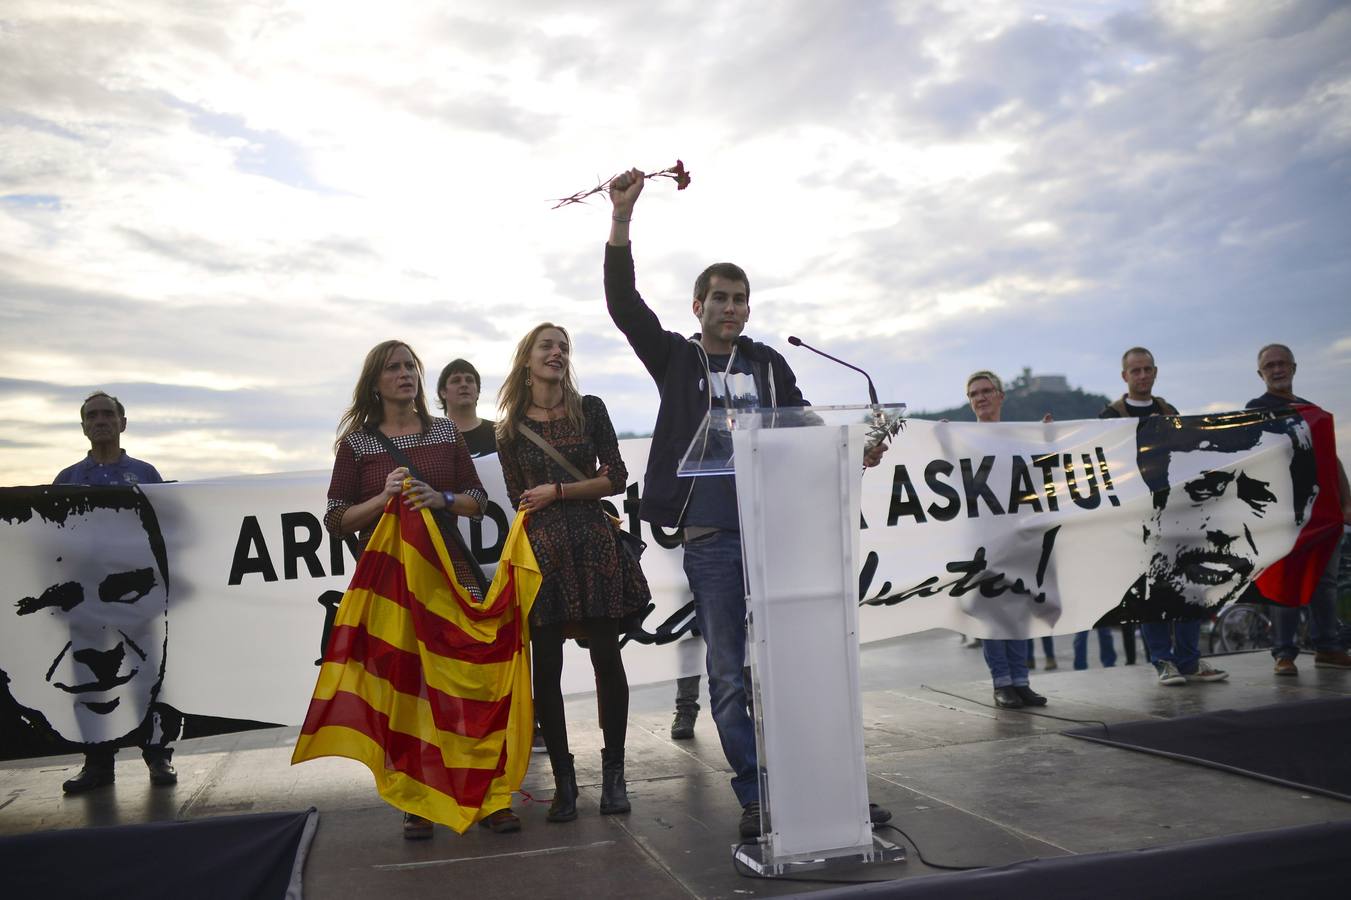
{"points": [[717, 367], [1006, 660], [389, 403], [1173, 647], [1276, 367], [103, 419], [547, 432], [1138, 371], [1179, 643]]}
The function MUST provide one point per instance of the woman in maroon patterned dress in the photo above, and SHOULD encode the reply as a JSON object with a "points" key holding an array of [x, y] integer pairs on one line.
{"points": [[589, 587], [389, 397]]}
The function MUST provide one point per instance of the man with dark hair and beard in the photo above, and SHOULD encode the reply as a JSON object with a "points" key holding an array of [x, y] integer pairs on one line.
{"points": [[1276, 368]]}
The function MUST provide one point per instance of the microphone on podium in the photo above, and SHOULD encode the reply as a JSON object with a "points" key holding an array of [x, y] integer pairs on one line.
{"points": [[872, 391]]}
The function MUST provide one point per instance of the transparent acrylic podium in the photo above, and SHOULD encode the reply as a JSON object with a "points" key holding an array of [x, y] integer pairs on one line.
{"points": [[798, 473]]}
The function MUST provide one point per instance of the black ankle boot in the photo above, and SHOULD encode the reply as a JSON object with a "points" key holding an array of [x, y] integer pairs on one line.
{"points": [[564, 805], [614, 794]]}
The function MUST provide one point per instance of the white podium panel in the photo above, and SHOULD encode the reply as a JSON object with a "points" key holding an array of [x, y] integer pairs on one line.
{"points": [[798, 483], [798, 493]]}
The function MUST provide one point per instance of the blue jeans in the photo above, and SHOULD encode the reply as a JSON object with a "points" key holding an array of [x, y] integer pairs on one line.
{"points": [[1324, 627], [1176, 642], [713, 567], [1106, 649], [1007, 661]]}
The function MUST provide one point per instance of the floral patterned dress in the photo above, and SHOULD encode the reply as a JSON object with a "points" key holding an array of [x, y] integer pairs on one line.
{"points": [[585, 574]]}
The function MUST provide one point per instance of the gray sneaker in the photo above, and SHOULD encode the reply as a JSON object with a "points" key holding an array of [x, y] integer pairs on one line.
{"points": [[1206, 672], [1169, 675]]}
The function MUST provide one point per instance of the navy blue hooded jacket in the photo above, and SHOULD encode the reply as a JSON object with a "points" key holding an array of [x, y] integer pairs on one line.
{"points": [[679, 366]]}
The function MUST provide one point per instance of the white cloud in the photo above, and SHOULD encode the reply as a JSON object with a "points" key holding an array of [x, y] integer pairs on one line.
{"points": [[222, 207]]}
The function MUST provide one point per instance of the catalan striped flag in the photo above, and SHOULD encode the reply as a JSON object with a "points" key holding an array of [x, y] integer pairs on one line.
{"points": [[427, 686]]}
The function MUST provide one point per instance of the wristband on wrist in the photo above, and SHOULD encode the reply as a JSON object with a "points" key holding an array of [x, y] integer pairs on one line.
{"points": [[558, 490], [449, 497], [628, 218]]}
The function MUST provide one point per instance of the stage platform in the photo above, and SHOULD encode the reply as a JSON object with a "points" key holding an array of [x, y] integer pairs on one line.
{"points": [[969, 785]]}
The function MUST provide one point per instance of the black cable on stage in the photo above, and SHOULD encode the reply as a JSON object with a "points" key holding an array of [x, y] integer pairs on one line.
{"points": [[933, 865], [1020, 709], [745, 872], [742, 870]]}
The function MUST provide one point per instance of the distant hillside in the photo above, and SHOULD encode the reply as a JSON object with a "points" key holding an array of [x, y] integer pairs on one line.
{"points": [[1024, 405]]}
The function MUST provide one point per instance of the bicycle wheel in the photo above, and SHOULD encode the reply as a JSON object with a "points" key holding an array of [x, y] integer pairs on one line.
{"points": [[1241, 627]]}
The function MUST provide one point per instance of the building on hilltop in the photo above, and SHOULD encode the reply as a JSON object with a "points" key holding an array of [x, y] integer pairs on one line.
{"points": [[1049, 384], [1028, 398], [1027, 383]]}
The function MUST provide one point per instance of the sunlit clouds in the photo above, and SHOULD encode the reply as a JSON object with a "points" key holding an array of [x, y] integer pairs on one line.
{"points": [[214, 210]]}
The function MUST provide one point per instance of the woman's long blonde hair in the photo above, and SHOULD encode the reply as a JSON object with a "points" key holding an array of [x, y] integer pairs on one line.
{"points": [[514, 398], [366, 408]]}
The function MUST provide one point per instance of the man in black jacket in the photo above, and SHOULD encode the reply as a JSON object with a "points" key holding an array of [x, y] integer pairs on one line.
{"points": [[1138, 372], [1276, 367], [716, 368], [1174, 648]]}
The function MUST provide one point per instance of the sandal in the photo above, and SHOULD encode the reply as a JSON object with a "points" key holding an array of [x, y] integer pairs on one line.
{"points": [[503, 821], [416, 828]]}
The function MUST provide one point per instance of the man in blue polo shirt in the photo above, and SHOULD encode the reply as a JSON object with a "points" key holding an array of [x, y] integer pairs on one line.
{"points": [[103, 419]]}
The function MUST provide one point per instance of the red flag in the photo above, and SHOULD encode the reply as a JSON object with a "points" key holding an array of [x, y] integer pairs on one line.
{"points": [[1291, 581]]}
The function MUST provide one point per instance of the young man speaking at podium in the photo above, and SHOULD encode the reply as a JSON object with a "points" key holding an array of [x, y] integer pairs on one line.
{"points": [[715, 369]]}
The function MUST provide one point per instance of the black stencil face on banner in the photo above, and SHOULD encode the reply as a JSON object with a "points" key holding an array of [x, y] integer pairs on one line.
{"points": [[1218, 517], [91, 602], [1206, 533]]}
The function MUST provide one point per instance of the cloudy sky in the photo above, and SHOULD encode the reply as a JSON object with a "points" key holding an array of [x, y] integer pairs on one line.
{"points": [[214, 209]]}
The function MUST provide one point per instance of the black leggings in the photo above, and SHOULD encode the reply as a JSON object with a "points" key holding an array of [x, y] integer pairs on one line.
{"points": [[612, 684]]}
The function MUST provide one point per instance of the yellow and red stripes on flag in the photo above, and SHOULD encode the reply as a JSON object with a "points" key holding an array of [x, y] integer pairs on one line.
{"points": [[424, 684]]}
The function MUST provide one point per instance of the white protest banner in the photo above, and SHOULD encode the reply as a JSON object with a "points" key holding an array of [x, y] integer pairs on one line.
{"points": [[1021, 530], [214, 597]]}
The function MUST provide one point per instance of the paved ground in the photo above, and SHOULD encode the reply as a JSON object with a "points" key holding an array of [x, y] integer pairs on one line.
{"points": [[969, 785]]}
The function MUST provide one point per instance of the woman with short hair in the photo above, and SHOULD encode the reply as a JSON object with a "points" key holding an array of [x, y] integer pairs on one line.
{"points": [[1007, 660]]}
